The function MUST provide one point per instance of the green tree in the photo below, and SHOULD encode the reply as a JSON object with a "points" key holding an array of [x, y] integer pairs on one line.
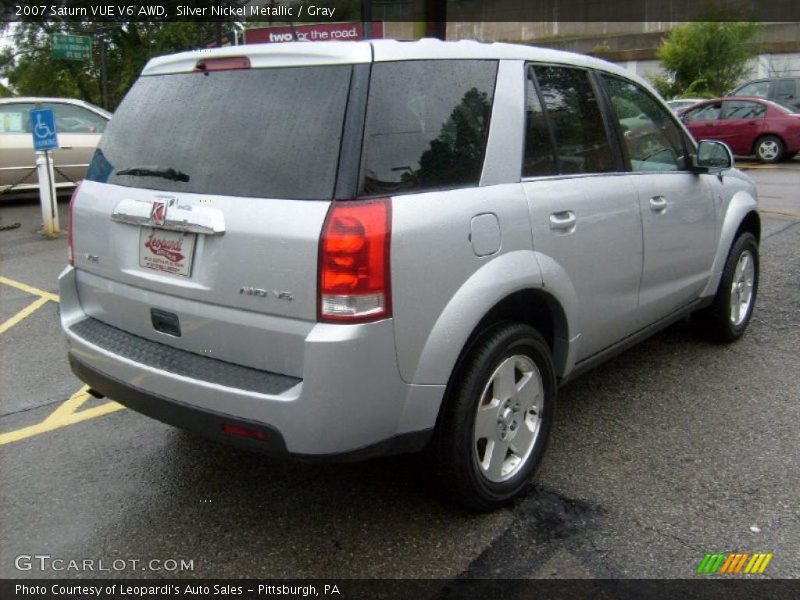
{"points": [[31, 70], [706, 58]]}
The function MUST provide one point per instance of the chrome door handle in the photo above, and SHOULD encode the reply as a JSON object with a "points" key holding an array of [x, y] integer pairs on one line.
{"points": [[564, 220], [658, 203]]}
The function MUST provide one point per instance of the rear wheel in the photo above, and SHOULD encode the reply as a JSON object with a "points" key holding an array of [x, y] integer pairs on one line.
{"points": [[729, 315], [769, 149], [497, 417]]}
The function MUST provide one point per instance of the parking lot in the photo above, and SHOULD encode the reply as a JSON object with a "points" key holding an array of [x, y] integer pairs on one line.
{"points": [[674, 449]]}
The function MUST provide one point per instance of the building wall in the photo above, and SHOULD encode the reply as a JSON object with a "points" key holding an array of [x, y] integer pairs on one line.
{"points": [[633, 45]]}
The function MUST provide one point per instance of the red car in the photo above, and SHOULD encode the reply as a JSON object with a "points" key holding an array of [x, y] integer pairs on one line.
{"points": [[767, 129]]}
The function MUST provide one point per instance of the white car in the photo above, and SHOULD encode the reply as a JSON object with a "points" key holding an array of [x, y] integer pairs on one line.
{"points": [[79, 126]]}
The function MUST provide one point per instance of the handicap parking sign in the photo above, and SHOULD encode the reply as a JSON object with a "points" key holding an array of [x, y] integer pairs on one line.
{"points": [[43, 128]]}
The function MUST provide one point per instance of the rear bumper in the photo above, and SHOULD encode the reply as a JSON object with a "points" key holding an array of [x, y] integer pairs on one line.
{"points": [[205, 422], [349, 403], [210, 424]]}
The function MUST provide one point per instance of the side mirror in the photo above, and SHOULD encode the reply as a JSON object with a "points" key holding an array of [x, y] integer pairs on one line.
{"points": [[712, 156]]}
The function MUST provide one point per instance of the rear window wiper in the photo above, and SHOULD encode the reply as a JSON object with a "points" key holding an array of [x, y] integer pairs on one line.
{"points": [[170, 173]]}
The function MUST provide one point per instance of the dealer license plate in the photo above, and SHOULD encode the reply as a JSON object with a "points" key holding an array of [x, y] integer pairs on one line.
{"points": [[168, 251]]}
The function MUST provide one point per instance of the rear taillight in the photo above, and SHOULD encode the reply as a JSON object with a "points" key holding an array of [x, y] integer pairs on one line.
{"points": [[70, 252], [354, 262]]}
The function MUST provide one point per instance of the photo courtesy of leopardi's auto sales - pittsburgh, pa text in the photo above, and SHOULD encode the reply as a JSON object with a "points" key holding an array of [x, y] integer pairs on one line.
{"points": [[174, 590]]}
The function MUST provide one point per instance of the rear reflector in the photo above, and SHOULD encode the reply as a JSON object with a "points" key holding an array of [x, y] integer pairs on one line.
{"points": [[227, 63], [354, 272], [239, 431]]}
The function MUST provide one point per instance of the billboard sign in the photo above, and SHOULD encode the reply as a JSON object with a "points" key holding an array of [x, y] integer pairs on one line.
{"points": [[321, 32]]}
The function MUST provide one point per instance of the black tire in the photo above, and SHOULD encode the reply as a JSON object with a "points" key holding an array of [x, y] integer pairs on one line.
{"points": [[456, 451], [769, 149], [718, 319]]}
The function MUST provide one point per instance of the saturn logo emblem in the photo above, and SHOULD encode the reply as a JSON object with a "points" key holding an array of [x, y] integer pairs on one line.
{"points": [[158, 212]]}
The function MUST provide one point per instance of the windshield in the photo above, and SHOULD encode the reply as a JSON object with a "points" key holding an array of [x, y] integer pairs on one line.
{"points": [[269, 133]]}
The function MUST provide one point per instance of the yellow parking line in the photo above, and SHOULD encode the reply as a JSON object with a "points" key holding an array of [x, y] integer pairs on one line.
{"points": [[28, 289], [44, 298], [27, 311], [65, 414]]}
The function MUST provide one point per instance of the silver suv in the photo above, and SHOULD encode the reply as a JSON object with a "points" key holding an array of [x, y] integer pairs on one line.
{"points": [[352, 249]]}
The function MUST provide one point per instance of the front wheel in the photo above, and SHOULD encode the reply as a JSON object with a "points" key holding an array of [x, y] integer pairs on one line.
{"points": [[729, 315], [497, 417], [769, 149]]}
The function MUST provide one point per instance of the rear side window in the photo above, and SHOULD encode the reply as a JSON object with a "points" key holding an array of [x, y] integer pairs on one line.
{"points": [[268, 133], [427, 125], [785, 88], [582, 144]]}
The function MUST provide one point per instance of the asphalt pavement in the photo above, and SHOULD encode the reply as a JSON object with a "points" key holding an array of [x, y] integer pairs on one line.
{"points": [[674, 449]]}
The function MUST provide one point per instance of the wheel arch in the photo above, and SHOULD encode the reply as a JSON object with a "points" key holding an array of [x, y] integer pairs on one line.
{"points": [[752, 223], [500, 287], [741, 215], [535, 307]]}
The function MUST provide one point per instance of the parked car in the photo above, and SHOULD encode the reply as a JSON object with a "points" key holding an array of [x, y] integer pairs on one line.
{"points": [[679, 104], [416, 255], [79, 126], [783, 89], [749, 126]]}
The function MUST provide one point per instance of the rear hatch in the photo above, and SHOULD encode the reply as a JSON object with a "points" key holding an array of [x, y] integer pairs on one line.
{"points": [[199, 221]]}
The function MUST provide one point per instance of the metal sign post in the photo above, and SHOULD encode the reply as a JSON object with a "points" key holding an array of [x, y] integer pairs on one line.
{"points": [[45, 138]]}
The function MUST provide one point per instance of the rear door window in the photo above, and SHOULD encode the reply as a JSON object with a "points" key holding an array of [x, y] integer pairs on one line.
{"points": [[539, 157], [742, 109], [427, 125], [581, 137], [267, 133], [76, 119]]}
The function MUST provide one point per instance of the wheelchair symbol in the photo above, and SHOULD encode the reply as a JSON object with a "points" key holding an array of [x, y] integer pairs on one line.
{"points": [[41, 130]]}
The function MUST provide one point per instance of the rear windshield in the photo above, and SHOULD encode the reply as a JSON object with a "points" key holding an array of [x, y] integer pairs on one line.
{"points": [[269, 133]]}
